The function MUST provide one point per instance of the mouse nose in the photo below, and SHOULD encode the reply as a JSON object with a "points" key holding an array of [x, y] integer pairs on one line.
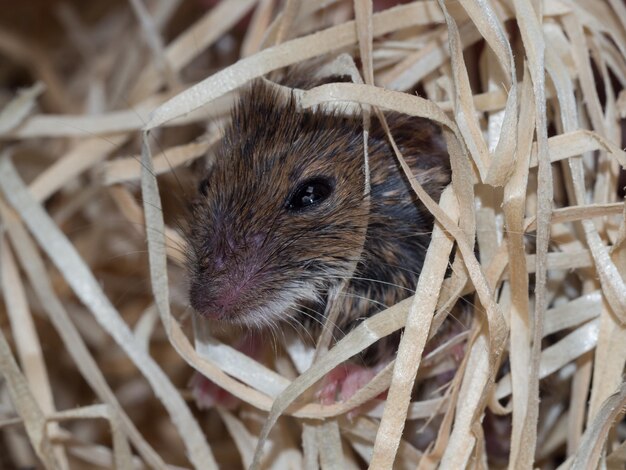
{"points": [[221, 282], [219, 298], [211, 304]]}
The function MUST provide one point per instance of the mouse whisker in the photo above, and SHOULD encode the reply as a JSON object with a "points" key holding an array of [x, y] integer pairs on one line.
{"points": [[354, 295], [321, 323], [299, 331]]}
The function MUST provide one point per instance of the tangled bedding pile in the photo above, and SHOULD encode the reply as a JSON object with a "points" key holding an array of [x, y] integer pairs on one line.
{"points": [[530, 96]]}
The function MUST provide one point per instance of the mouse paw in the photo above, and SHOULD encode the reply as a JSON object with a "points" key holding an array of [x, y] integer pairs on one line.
{"points": [[208, 395], [344, 381]]}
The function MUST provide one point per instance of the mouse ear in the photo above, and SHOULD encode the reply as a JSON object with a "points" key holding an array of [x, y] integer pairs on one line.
{"points": [[420, 140], [423, 148], [203, 186]]}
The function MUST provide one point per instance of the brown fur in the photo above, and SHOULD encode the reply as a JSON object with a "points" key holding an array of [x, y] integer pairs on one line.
{"points": [[254, 263]]}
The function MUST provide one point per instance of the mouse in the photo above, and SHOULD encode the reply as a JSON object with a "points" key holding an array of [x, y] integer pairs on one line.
{"points": [[284, 214]]}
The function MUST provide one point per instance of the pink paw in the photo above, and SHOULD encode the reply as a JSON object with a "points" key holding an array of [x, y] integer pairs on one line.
{"points": [[344, 381], [208, 395]]}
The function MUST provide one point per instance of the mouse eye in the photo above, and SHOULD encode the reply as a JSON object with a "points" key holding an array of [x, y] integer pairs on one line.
{"points": [[310, 193]]}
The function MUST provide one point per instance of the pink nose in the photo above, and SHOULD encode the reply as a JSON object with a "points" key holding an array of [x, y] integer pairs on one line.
{"points": [[217, 304], [223, 280], [220, 308], [214, 308]]}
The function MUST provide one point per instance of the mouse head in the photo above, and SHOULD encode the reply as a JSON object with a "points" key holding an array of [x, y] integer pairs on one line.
{"points": [[281, 215]]}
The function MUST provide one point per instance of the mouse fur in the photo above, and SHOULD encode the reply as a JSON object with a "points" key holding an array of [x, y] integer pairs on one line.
{"points": [[255, 262]]}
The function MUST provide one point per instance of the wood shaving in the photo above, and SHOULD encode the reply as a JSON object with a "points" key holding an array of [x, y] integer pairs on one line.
{"points": [[108, 109]]}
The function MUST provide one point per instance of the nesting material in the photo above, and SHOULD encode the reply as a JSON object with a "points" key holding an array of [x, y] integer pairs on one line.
{"points": [[119, 104]]}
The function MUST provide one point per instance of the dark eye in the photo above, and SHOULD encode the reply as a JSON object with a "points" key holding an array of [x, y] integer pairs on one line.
{"points": [[309, 193]]}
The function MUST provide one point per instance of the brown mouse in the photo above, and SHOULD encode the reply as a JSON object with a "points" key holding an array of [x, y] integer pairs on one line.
{"points": [[280, 216]]}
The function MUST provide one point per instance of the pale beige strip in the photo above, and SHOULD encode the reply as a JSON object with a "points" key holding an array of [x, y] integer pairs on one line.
{"points": [[26, 405], [78, 275], [288, 53], [35, 270], [27, 341], [413, 341]]}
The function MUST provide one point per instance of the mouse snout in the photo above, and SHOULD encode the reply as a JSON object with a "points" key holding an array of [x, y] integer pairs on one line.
{"points": [[220, 296], [218, 304], [224, 280]]}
